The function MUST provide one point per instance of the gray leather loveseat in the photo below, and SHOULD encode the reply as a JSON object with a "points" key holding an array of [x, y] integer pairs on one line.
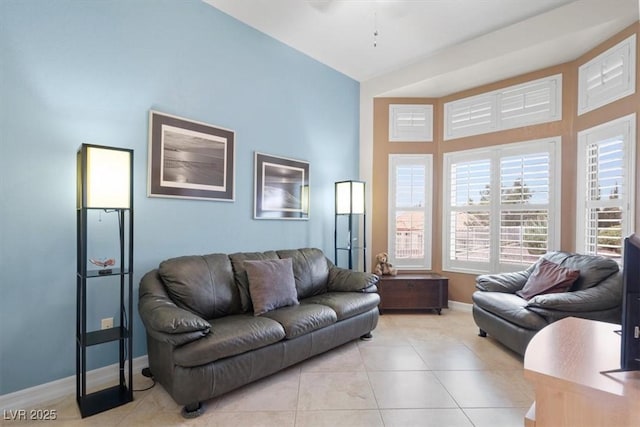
{"points": [[513, 320], [217, 322]]}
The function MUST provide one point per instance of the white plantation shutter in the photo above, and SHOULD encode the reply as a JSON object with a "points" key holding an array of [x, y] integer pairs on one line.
{"points": [[469, 236], [410, 122], [470, 116], [524, 207], [410, 202], [500, 212], [529, 103], [605, 187], [607, 77]]}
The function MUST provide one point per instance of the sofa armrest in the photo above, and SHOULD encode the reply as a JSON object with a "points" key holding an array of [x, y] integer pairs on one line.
{"points": [[176, 340], [503, 282], [343, 280], [611, 315], [606, 295], [163, 319]]}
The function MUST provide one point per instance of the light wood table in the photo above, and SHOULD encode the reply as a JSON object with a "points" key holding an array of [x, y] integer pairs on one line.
{"points": [[567, 363]]}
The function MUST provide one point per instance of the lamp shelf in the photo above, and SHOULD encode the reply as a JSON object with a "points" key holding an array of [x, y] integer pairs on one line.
{"points": [[105, 335], [102, 400], [349, 248], [114, 272], [96, 208]]}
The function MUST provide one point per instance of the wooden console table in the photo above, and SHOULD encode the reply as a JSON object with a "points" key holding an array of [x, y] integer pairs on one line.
{"points": [[413, 292], [567, 363]]}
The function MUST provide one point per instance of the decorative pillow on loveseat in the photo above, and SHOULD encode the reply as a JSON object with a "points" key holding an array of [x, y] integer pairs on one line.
{"points": [[271, 284], [548, 278]]}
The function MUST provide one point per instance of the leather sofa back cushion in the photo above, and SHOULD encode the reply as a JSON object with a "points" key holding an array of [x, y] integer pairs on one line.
{"points": [[201, 284], [271, 284], [548, 278], [593, 269], [240, 273], [310, 269]]}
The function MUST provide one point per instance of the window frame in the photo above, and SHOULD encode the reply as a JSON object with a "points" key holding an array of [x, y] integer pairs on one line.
{"points": [[494, 154], [627, 127], [588, 99], [404, 159], [491, 111], [398, 133]]}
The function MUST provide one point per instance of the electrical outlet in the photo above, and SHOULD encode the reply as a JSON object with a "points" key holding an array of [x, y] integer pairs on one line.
{"points": [[107, 323]]}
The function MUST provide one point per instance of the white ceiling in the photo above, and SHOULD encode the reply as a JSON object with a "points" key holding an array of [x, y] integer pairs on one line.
{"points": [[435, 47]]}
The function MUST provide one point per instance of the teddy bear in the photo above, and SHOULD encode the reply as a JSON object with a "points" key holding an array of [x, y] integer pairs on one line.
{"points": [[383, 267]]}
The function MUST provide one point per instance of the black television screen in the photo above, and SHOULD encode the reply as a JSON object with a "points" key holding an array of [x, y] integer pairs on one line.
{"points": [[630, 349]]}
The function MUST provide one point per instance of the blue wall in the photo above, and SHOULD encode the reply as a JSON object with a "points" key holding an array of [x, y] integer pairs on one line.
{"points": [[90, 71]]}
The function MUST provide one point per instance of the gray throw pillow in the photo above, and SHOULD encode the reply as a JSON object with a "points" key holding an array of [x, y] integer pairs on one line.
{"points": [[271, 284]]}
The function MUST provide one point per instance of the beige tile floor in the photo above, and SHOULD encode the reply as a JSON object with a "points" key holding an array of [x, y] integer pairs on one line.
{"points": [[419, 370]]}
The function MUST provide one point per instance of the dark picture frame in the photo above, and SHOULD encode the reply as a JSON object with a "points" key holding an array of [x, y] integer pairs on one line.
{"points": [[281, 188], [190, 159]]}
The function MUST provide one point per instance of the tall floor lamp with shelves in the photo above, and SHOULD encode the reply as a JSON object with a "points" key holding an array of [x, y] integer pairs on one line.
{"points": [[350, 223], [104, 185]]}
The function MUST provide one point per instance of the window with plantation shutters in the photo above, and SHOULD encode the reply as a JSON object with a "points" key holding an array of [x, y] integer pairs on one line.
{"points": [[410, 122], [470, 211], [499, 211], [605, 187], [524, 207], [607, 77], [537, 101], [530, 103], [410, 204], [470, 116]]}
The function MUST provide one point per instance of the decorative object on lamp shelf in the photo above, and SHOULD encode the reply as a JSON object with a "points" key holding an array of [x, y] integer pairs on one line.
{"points": [[104, 263], [350, 204], [104, 184]]}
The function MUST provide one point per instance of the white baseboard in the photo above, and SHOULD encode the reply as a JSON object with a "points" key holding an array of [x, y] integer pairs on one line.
{"points": [[462, 306], [64, 387]]}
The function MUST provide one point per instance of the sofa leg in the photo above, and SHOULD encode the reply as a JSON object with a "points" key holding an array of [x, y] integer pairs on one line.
{"points": [[367, 337], [482, 333], [193, 410]]}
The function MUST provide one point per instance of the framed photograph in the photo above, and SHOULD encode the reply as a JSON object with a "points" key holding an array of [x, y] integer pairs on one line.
{"points": [[281, 188], [189, 159]]}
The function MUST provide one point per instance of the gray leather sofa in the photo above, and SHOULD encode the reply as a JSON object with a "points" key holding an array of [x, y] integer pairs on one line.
{"points": [[512, 320], [204, 340]]}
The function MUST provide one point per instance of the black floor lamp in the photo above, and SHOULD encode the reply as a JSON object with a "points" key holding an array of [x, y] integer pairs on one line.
{"points": [[105, 185], [350, 222]]}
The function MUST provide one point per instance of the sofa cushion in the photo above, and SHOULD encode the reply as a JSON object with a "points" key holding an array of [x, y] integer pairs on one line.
{"points": [[548, 278], [302, 319], [201, 284], [509, 307], [229, 336], [346, 304], [271, 284], [240, 273], [593, 269], [311, 270]]}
